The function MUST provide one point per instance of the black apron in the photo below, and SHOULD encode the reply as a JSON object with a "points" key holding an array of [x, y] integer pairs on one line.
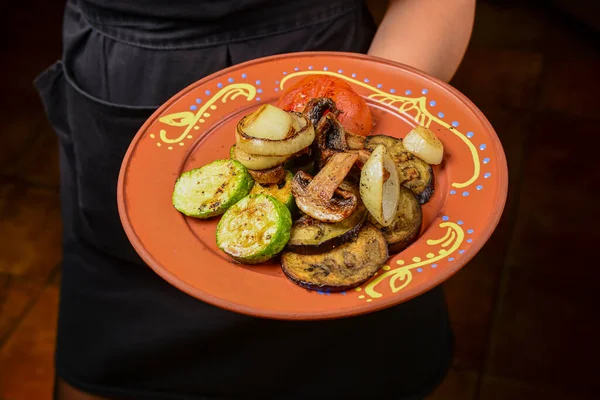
{"points": [[125, 332]]}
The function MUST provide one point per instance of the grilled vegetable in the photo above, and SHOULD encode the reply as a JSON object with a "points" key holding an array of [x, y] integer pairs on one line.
{"points": [[255, 162], [342, 268], [254, 229], [310, 236], [320, 197], [355, 115], [423, 143], [406, 226], [281, 191], [269, 122], [379, 195], [295, 141], [414, 173], [268, 176], [330, 139], [354, 141], [317, 107], [210, 190]]}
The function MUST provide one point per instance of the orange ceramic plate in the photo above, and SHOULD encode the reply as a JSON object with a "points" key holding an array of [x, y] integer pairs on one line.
{"points": [[197, 126]]}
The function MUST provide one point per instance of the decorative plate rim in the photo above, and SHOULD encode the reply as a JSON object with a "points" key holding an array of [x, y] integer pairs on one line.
{"points": [[365, 308]]}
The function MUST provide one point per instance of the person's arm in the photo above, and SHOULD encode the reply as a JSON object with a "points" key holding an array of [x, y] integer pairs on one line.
{"points": [[430, 35]]}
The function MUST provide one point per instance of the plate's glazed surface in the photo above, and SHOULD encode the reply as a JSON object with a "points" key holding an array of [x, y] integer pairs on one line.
{"points": [[197, 126]]}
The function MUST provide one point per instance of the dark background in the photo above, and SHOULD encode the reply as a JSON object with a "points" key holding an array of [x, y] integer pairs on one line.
{"points": [[525, 310]]}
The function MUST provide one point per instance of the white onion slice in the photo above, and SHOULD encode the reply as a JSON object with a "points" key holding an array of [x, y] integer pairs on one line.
{"points": [[296, 141], [423, 143], [255, 162], [380, 196], [269, 122]]}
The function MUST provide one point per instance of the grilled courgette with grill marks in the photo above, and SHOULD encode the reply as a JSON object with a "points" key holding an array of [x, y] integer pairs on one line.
{"points": [[281, 191], [415, 174], [406, 225], [210, 190], [255, 229], [342, 268]]}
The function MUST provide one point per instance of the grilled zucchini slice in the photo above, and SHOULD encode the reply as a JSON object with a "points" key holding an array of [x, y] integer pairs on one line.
{"points": [[415, 174], [281, 191], [406, 226], [210, 190], [342, 268], [255, 229]]}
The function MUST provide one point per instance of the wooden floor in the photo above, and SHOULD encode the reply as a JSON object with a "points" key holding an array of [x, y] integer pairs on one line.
{"points": [[524, 310]]}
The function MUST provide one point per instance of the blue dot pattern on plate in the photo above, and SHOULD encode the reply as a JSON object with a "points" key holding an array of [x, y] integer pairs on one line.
{"points": [[445, 218], [366, 80], [479, 187], [461, 252], [244, 76], [486, 160], [343, 293], [230, 80], [285, 72], [379, 85], [424, 91], [469, 240], [470, 135], [433, 265], [408, 92], [432, 103], [207, 92], [325, 68], [419, 269], [296, 69], [258, 82], [277, 82], [258, 99], [340, 71], [193, 108], [277, 89], [441, 114], [470, 231], [310, 67], [198, 101], [392, 90], [259, 91], [455, 123], [354, 75], [219, 85], [482, 147], [451, 259], [460, 222], [487, 175], [465, 193], [453, 191]]}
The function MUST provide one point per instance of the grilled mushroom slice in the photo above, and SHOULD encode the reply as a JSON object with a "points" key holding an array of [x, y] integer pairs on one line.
{"points": [[321, 197], [342, 268], [317, 107], [310, 236], [268, 176], [330, 138], [415, 174], [354, 141]]}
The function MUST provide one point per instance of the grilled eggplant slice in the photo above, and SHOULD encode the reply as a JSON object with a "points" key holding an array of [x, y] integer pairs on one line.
{"points": [[415, 174], [268, 176], [406, 226], [342, 268], [310, 236]]}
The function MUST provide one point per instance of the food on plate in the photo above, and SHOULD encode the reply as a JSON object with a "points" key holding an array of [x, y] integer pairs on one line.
{"points": [[210, 190], [355, 115], [307, 183], [311, 236], [254, 229], [282, 191], [423, 143], [322, 197], [268, 176], [406, 225], [414, 173], [380, 195], [342, 268]]}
